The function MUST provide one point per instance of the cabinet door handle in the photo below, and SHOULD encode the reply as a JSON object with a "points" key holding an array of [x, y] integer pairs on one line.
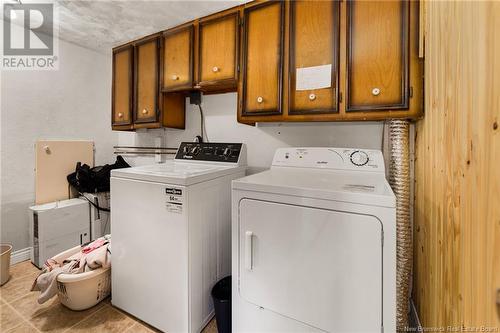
{"points": [[248, 250], [312, 97], [215, 69], [260, 99], [175, 77], [375, 91], [120, 115], [144, 111]]}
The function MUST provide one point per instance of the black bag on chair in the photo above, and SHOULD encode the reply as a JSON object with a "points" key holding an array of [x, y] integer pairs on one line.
{"points": [[96, 179]]}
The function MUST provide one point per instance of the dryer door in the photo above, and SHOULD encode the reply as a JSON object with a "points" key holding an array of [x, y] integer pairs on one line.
{"points": [[316, 266]]}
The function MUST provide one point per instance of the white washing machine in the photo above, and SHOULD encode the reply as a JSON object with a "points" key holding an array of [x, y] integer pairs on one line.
{"points": [[171, 234], [314, 244]]}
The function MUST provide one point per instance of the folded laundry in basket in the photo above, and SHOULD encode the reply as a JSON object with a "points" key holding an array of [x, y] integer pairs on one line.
{"points": [[46, 282], [94, 255], [101, 257], [98, 256], [95, 245]]}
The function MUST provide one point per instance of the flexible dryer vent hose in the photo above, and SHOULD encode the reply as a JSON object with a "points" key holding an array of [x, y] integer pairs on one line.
{"points": [[399, 179]]}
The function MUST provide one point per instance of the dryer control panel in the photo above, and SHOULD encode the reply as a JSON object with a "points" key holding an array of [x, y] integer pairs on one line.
{"points": [[330, 158], [210, 152]]}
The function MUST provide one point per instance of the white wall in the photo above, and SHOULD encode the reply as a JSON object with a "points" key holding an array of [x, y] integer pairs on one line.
{"points": [[261, 141], [71, 103]]}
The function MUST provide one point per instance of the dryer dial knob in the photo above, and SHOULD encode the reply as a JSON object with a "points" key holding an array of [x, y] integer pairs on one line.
{"points": [[195, 151], [359, 158]]}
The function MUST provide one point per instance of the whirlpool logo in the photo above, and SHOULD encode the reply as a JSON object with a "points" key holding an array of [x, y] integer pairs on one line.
{"points": [[29, 36]]}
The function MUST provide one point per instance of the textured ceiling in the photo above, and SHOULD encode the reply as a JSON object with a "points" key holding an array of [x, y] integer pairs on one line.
{"points": [[100, 25]]}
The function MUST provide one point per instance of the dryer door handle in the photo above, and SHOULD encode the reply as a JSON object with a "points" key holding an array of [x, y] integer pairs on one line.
{"points": [[248, 250]]}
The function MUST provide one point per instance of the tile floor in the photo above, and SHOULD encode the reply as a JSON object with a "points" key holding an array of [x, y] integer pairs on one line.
{"points": [[21, 313]]}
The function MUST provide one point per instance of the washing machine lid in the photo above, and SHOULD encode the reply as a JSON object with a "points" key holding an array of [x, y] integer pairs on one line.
{"points": [[367, 188], [176, 172]]}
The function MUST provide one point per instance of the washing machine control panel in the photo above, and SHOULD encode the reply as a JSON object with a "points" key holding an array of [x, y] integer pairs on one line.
{"points": [[210, 152]]}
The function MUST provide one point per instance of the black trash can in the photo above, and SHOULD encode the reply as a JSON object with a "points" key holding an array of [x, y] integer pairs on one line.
{"points": [[221, 294]]}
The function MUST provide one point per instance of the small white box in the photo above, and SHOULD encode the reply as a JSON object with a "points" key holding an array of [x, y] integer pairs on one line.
{"points": [[100, 222], [58, 226]]}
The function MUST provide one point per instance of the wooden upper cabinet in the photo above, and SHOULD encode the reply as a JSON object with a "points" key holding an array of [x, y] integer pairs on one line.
{"points": [[122, 91], [378, 55], [300, 60], [178, 58], [314, 49], [146, 80], [262, 59], [218, 51]]}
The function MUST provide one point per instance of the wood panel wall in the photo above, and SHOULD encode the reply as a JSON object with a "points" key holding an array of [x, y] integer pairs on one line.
{"points": [[457, 199]]}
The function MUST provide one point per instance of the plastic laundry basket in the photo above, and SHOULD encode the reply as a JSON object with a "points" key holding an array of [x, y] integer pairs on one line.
{"points": [[5, 250], [82, 291]]}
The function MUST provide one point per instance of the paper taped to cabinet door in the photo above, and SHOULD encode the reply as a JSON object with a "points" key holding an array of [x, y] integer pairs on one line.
{"points": [[316, 77]]}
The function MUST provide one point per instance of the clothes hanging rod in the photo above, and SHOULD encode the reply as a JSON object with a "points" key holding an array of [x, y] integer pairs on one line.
{"points": [[143, 153], [132, 147]]}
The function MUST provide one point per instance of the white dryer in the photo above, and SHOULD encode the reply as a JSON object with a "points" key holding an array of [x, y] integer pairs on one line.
{"points": [[171, 227], [314, 244]]}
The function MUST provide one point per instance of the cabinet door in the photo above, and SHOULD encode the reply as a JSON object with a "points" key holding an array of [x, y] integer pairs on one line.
{"points": [[174, 110], [178, 59], [218, 51], [262, 59], [377, 63], [121, 113], [314, 41], [146, 80]]}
